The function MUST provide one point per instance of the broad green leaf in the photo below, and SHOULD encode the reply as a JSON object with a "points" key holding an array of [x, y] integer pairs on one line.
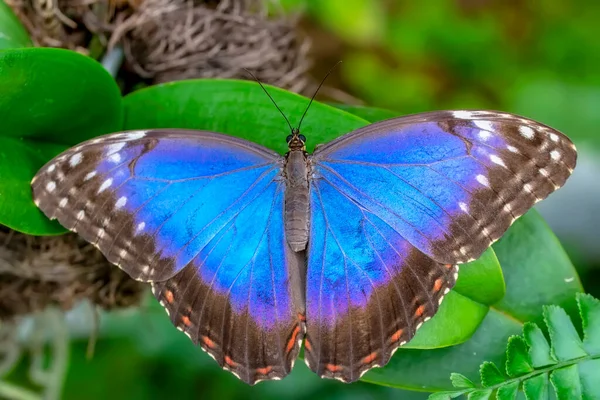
{"points": [[566, 383], [238, 108], [12, 33], [490, 374], [371, 114], [242, 109], [460, 381], [590, 316], [537, 271], [482, 280], [518, 361], [19, 161], [565, 342], [429, 369], [508, 392], [536, 387], [457, 319], [539, 348], [47, 96]]}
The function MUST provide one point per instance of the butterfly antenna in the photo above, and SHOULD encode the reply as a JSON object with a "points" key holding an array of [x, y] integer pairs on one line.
{"points": [[317, 91], [265, 90]]}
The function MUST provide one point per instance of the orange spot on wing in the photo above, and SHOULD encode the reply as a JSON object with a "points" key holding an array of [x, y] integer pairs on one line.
{"points": [[230, 362], [186, 321], [169, 296], [437, 285], [370, 358], [448, 266], [396, 336], [209, 343], [265, 370], [333, 368], [420, 311], [307, 345], [292, 342]]}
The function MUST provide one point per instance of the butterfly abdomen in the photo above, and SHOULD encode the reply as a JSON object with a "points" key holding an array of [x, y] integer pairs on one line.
{"points": [[296, 200]]}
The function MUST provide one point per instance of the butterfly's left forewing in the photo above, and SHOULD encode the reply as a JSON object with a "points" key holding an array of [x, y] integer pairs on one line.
{"points": [[199, 215], [396, 205]]}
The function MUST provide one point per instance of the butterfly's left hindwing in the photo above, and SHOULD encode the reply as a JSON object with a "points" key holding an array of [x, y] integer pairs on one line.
{"points": [[199, 215]]}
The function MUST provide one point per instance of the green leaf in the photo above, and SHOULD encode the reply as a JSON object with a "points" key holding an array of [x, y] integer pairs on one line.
{"points": [[238, 108], [536, 269], [566, 383], [50, 99], [536, 387], [509, 391], [371, 114], [518, 361], [590, 316], [460, 381], [482, 280], [457, 319], [539, 348], [12, 33], [566, 344], [490, 374], [16, 206]]}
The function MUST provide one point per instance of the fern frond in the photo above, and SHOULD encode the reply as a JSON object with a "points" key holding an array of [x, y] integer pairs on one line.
{"points": [[568, 365]]}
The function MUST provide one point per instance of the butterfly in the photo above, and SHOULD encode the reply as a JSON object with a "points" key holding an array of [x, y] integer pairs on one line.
{"points": [[349, 249]]}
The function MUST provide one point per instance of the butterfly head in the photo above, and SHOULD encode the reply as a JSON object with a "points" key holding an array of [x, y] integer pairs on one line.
{"points": [[296, 140]]}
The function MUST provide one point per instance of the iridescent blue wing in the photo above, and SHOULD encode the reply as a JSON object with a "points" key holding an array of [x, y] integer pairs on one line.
{"points": [[396, 205], [199, 215]]}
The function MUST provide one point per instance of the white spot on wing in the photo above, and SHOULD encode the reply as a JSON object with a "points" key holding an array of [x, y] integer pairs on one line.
{"points": [[497, 160], [512, 149], [115, 147], [135, 135], [105, 185], [484, 135], [50, 186], [463, 206], [140, 227], [121, 202], [527, 187], [485, 125], [526, 132], [63, 202], [555, 154], [51, 168], [89, 176], [75, 159], [554, 137], [115, 158], [483, 180], [462, 114], [543, 172], [80, 215]]}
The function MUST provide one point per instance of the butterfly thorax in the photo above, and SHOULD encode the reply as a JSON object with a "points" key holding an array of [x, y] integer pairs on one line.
{"points": [[296, 198]]}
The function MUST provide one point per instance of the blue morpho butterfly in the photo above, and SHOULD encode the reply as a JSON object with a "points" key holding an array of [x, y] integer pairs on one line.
{"points": [[350, 248]]}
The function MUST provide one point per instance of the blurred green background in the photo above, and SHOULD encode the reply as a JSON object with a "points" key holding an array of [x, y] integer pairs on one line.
{"points": [[541, 60]]}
